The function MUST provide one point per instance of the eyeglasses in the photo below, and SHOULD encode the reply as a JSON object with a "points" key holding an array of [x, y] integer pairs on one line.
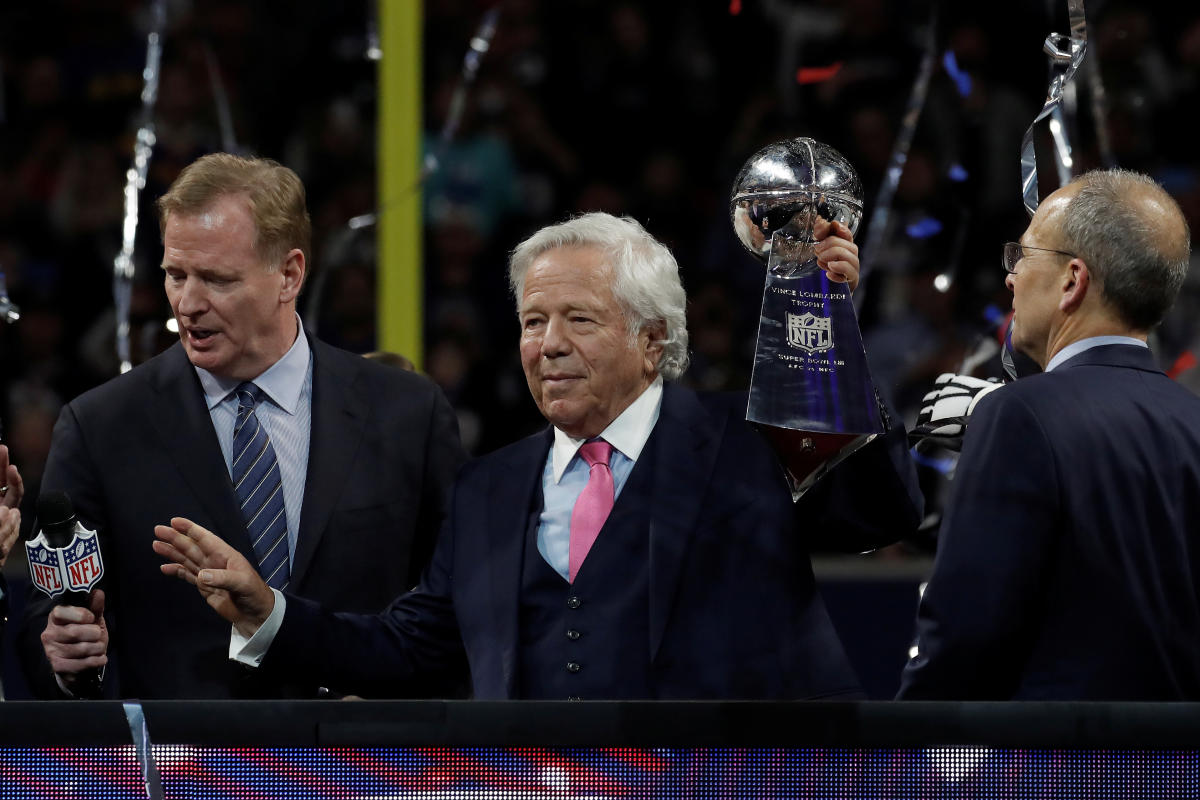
{"points": [[1015, 251]]}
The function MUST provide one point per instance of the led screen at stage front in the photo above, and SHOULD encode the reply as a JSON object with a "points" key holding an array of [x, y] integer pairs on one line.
{"points": [[522, 773]]}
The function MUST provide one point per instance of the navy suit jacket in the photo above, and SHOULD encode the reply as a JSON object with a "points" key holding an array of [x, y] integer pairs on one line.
{"points": [[141, 448], [1069, 558], [733, 609]]}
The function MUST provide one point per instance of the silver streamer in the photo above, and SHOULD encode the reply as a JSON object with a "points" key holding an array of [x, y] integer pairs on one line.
{"points": [[877, 227], [221, 99], [1060, 135], [136, 717], [479, 45], [1100, 111], [480, 42], [8, 309], [1066, 54], [135, 181], [374, 51]]}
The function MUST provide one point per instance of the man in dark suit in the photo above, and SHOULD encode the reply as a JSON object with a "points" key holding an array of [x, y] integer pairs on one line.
{"points": [[644, 546], [1068, 566], [327, 470]]}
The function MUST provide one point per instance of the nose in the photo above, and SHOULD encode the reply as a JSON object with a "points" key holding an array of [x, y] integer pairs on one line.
{"points": [[192, 299], [555, 341], [1008, 281]]}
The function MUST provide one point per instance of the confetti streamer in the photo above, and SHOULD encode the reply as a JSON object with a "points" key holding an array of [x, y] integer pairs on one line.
{"points": [[1066, 54], [136, 718], [135, 181], [480, 43], [8, 309], [806, 75], [374, 51], [877, 228], [221, 99]]}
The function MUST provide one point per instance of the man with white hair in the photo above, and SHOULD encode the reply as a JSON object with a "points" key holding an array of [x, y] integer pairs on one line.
{"points": [[645, 545]]}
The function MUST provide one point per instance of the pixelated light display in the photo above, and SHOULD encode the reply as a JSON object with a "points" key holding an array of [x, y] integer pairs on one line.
{"points": [[526, 773]]}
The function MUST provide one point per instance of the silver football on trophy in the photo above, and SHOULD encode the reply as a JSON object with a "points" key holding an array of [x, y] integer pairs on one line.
{"points": [[784, 187]]}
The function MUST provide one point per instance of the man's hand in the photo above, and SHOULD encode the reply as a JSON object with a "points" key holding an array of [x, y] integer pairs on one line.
{"points": [[10, 529], [836, 251], [228, 582], [14, 488], [76, 639]]}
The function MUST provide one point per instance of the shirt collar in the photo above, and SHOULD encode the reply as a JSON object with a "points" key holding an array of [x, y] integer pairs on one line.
{"points": [[1075, 348], [627, 433], [282, 381]]}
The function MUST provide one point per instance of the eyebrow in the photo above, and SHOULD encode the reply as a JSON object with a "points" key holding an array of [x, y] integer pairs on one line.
{"points": [[200, 272]]}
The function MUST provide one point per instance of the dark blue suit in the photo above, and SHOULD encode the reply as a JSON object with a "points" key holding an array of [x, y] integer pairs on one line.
{"points": [[727, 604], [141, 448], [1068, 567]]}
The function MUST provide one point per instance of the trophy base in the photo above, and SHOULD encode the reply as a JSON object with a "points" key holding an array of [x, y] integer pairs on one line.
{"points": [[807, 456]]}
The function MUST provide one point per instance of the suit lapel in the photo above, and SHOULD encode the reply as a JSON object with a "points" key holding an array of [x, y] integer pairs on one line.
{"points": [[182, 423], [686, 441], [339, 414], [511, 488]]}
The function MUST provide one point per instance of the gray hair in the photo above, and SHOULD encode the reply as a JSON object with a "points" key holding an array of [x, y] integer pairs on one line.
{"points": [[646, 277], [1134, 239]]}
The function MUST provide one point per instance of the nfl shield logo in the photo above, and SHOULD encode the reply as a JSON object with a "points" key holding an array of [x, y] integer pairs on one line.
{"points": [[81, 562], [43, 567], [810, 333]]}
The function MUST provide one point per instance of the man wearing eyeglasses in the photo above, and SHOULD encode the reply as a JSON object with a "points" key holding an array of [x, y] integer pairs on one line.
{"points": [[1068, 561]]}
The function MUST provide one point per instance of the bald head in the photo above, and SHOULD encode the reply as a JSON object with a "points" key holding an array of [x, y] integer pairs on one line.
{"points": [[1134, 239]]}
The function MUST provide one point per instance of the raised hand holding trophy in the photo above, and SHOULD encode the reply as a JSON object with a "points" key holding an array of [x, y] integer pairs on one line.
{"points": [[810, 390]]}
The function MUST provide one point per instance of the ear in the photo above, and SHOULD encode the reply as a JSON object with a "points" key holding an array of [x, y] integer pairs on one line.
{"points": [[651, 337], [293, 275], [1076, 282]]}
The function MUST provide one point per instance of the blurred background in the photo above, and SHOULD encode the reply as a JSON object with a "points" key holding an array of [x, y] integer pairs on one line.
{"points": [[640, 108]]}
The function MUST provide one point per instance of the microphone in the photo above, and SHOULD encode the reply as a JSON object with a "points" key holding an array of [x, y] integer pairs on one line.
{"points": [[65, 564], [56, 515]]}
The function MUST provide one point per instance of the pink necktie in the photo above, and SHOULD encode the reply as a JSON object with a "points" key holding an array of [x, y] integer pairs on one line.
{"points": [[593, 505]]}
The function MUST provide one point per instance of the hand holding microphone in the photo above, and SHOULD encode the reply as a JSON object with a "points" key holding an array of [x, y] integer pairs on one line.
{"points": [[65, 563]]}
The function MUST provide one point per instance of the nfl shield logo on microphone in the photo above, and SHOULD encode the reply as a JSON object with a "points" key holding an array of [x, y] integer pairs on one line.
{"points": [[81, 562]]}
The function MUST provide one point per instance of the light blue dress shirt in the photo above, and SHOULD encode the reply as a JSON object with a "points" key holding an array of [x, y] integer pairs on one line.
{"points": [[286, 413], [1075, 348], [566, 473]]}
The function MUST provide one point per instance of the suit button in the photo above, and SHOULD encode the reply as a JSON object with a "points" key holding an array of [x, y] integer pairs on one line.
{"points": [[573, 667], [573, 635], [573, 602]]}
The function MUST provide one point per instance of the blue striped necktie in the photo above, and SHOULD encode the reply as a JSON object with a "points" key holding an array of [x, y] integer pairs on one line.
{"points": [[259, 489]]}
